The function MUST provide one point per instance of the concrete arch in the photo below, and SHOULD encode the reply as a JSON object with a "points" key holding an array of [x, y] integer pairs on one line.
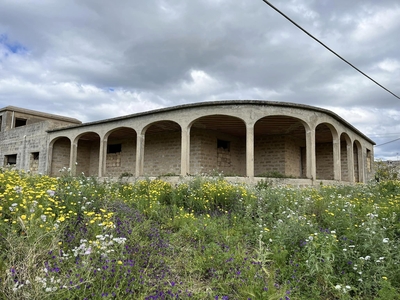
{"points": [[280, 146], [59, 150], [161, 144], [326, 151], [85, 154], [218, 144], [119, 152], [346, 158], [358, 164]]}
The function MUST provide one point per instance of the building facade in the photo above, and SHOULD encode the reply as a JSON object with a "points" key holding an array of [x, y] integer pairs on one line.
{"points": [[249, 139]]}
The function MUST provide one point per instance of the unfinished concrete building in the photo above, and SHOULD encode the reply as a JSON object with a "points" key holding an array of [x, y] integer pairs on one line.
{"points": [[244, 139]]}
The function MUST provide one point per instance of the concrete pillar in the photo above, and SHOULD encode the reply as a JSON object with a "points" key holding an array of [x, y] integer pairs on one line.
{"points": [[73, 157], [350, 161], [102, 157], [185, 151], [310, 154], [336, 158], [49, 159], [140, 154], [250, 150]]}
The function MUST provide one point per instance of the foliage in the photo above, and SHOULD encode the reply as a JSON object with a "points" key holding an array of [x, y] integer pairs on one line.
{"points": [[385, 170], [76, 238]]}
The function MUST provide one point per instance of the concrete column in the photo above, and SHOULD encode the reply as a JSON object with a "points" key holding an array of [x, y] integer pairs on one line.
{"points": [[336, 159], [350, 161], [250, 150], [140, 154], [102, 157], [49, 159], [73, 157], [185, 151], [310, 154]]}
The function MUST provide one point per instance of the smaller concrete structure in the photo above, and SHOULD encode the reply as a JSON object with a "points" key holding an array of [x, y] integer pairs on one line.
{"points": [[23, 137], [243, 139]]}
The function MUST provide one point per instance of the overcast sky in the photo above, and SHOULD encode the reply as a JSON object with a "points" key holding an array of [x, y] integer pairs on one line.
{"points": [[96, 59]]}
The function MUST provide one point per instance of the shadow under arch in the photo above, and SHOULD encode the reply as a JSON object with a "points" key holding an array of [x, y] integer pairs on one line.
{"points": [[87, 153], [60, 151], [357, 152], [162, 148], [345, 158], [218, 144], [280, 147], [325, 134], [120, 152]]}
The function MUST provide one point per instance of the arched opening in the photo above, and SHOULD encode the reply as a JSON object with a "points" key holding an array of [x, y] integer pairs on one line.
{"points": [[357, 160], [218, 144], [60, 155], [87, 155], [162, 149], [324, 152], [280, 147], [345, 149], [120, 158]]}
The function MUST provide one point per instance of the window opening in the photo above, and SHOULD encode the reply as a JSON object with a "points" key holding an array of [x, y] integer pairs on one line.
{"points": [[10, 159], [20, 122], [223, 144], [114, 148]]}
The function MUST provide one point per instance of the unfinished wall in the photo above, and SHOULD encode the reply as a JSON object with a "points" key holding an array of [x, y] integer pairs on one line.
{"points": [[23, 141], [162, 154], [207, 158], [293, 159], [61, 155], [324, 159], [269, 154], [343, 161], [123, 162]]}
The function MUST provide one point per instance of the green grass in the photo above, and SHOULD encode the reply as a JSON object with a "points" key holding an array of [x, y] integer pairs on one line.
{"points": [[76, 238]]}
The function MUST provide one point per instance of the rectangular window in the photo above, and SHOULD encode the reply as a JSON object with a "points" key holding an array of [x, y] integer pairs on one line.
{"points": [[20, 122], [10, 159], [114, 148], [1, 121], [35, 155], [226, 145]]}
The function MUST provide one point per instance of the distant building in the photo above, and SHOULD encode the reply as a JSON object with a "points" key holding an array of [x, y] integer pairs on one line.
{"points": [[239, 138]]}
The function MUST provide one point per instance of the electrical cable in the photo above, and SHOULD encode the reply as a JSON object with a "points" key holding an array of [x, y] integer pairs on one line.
{"points": [[387, 142], [310, 35]]}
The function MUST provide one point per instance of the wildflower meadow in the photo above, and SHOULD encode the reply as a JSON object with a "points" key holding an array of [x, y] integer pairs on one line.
{"points": [[204, 238]]}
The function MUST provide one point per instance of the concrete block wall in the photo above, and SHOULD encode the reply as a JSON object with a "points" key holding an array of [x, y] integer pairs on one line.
{"points": [[162, 154], [356, 162], [206, 158], [269, 154], [123, 162], [324, 159], [293, 163], [23, 141], [83, 157], [343, 161], [61, 155], [94, 158]]}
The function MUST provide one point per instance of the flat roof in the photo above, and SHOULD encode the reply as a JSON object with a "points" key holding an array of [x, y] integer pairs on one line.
{"points": [[40, 114], [223, 102]]}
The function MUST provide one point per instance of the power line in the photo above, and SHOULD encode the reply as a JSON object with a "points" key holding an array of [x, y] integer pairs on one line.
{"points": [[314, 38], [388, 142]]}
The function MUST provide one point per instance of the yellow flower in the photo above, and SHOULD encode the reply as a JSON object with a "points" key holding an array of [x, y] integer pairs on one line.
{"points": [[23, 217], [119, 262], [384, 277]]}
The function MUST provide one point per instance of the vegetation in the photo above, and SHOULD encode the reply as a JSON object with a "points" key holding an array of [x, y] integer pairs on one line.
{"points": [[76, 238]]}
